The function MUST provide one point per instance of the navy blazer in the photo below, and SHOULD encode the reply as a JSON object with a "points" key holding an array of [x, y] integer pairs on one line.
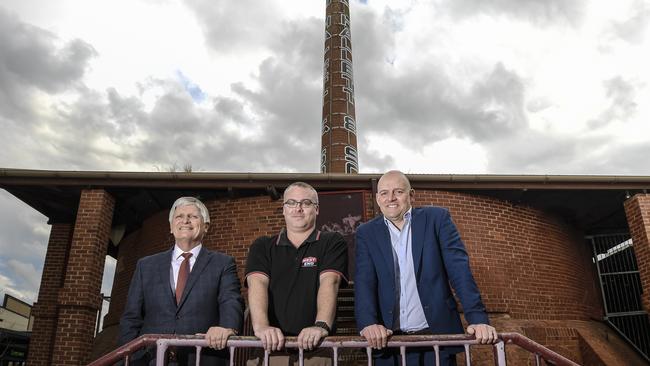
{"points": [[440, 260], [211, 298]]}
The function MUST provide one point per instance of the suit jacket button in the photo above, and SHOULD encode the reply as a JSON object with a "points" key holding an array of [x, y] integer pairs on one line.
{"points": [[178, 316]]}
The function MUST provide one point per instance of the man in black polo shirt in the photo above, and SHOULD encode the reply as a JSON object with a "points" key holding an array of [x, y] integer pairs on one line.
{"points": [[293, 279]]}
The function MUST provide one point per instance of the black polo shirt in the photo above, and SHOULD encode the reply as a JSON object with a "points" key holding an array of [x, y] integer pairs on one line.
{"points": [[294, 274]]}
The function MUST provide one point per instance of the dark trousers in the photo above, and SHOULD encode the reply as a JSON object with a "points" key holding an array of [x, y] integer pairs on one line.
{"points": [[415, 357]]}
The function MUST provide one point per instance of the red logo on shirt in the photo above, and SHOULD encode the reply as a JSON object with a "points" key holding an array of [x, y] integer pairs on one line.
{"points": [[309, 262]]}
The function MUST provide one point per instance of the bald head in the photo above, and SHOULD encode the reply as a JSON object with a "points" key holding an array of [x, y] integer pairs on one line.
{"points": [[394, 196], [395, 175]]}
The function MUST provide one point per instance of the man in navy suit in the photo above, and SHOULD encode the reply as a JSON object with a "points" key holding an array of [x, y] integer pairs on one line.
{"points": [[187, 289], [406, 261]]}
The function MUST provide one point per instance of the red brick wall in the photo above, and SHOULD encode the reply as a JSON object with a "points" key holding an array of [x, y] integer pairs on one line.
{"points": [[45, 311], [527, 264], [637, 210], [79, 299]]}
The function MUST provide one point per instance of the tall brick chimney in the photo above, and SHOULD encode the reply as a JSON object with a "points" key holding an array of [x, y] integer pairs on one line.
{"points": [[339, 132]]}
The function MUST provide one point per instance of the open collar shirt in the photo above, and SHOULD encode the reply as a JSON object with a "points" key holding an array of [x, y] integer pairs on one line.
{"points": [[411, 315]]}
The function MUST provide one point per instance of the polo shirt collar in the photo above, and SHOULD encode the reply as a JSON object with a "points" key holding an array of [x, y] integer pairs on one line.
{"points": [[284, 240]]}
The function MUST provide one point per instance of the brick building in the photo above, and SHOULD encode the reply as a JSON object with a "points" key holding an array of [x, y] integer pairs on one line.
{"points": [[531, 241], [548, 252]]}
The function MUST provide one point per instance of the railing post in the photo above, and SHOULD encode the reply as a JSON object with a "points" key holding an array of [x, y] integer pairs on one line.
{"points": [[369, 354], [468, 358], [499, 350], [335, 351], [436, 348], [198, 355], [161, 349]]}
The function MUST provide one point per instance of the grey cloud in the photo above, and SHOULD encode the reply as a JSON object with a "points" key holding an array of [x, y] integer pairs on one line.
{"points": [[634, 28], [532, 152], [394, 19], [22, 227], [127, 113], [541, 12], [622, 159], [425, 105], [428, 102], [26, 272], [622, 95], [32, 59], [499, 103], [374, 161]]}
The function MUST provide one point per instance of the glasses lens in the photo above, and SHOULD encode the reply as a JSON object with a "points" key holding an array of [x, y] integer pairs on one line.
{"points": [[291, 203], [304, 203]]}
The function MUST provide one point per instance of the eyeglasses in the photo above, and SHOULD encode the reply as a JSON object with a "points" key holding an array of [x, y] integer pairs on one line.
{"points": [[306, 203]]}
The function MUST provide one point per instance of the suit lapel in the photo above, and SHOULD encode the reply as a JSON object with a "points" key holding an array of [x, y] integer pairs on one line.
{"points": [[200, 264], [418, 227], [385, 246], [166, 274]]}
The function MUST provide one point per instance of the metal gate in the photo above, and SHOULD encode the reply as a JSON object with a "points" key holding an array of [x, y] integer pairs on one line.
{"points": [[620, 284]]}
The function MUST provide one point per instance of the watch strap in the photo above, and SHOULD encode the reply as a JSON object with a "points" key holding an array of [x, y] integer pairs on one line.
{"points": [[323, 325]]}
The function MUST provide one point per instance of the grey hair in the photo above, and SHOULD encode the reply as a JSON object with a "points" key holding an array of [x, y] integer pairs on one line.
{"points": [[301, 185], [186, 201]]}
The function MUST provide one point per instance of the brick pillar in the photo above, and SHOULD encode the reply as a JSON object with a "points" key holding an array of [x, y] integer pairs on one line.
{"points": [[637, 210], [80, 299], [45, 310]]}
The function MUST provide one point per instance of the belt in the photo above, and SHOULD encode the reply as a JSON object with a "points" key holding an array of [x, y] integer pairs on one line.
{"points": [[412, 332]]}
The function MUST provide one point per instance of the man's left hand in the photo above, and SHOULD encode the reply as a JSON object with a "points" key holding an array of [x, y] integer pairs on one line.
{"points": [[217, 337], [484, 333], [310, 337]]}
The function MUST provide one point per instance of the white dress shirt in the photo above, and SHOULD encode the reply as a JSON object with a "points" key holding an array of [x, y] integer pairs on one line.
{"points": [[177, 259]]}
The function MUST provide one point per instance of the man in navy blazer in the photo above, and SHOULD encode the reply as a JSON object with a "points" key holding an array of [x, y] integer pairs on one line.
{"points": [[406, 261], [187, 289]]}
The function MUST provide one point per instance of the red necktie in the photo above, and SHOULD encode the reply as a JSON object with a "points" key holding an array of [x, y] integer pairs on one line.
{"points": [[183, 273]]}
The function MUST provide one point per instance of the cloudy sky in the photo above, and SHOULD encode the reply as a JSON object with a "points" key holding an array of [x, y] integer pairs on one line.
{"points": [[442, 86]]}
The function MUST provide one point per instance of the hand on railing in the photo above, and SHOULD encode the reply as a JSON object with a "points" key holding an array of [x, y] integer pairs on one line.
{"points": [[217, 337], [310, 337], [271, 337], [376, 335], [484, 333]]}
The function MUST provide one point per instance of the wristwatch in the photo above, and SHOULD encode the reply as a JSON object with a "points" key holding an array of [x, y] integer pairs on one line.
{"points": [[323, 325]]}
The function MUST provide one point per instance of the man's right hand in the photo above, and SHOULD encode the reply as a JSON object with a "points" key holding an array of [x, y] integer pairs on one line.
{"points": [[271, 337], [376, 335]]}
